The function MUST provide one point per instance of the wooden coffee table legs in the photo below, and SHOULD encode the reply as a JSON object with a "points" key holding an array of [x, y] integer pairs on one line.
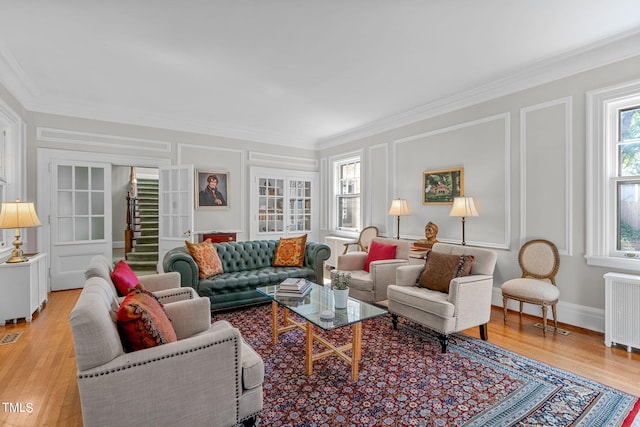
{"points": [[355, 345]]}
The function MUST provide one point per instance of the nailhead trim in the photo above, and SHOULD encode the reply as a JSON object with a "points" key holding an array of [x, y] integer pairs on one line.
{"points": [[157, 359]]}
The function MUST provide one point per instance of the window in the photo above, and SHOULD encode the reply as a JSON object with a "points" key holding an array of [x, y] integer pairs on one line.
{"points": [[613, 177], [348, 194], [628, 180]]}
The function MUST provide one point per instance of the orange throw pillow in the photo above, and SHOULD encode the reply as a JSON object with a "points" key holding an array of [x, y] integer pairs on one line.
{"points": [[206, 258], [290, 252], [142, 321], [440, 268]]}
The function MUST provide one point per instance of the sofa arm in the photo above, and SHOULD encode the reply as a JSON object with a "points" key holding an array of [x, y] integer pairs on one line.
{"points": [[351, 261], [383, 274], [202, 373], [315, 254], [407, 275], [189, 317], [471, 297], [177, 294], [179, 260], [160, 282]]}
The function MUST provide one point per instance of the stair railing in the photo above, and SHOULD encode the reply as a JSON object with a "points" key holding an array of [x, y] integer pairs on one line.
{"points": [[129, 232]]}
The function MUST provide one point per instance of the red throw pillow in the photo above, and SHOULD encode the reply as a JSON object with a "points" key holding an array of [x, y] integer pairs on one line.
{"points": [[379, 251], [142, 322], [290, 252], [124, 278]]}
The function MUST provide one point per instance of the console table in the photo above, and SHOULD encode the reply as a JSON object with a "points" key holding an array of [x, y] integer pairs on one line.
{"points": [[218, 237], [24, 287]]}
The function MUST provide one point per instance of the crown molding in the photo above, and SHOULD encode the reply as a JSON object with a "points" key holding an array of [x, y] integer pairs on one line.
{"points": [[604, 52]]}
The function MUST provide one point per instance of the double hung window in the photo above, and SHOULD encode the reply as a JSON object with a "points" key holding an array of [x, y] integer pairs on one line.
{"points": [[613, 177], [348, 194]]}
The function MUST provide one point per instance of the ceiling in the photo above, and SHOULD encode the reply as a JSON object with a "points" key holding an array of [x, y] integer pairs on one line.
{"points": [[291, 72]]}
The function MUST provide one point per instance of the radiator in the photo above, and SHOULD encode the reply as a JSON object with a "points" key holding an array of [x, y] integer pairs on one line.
{"points": [[336, 244], [622, 310]]}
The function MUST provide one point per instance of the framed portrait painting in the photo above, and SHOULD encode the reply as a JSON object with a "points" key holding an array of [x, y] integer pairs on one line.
{"points": [[441, 186], [211, 189]]}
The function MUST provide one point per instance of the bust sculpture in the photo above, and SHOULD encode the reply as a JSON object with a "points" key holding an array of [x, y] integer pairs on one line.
{"points": [[430, 233]]}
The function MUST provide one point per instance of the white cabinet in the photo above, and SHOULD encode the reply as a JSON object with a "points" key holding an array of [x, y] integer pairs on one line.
{"points": [[24, 288], [283, 202]]}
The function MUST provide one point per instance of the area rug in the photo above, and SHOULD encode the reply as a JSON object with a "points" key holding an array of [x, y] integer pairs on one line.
{"points": [[405, 381]]}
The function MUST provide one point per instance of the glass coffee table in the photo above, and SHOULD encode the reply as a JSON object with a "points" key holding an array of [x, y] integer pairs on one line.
{"points": [[313, 307]]}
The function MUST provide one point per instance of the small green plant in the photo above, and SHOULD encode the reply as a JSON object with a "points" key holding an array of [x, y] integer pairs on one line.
{"points": [[342, 281]]}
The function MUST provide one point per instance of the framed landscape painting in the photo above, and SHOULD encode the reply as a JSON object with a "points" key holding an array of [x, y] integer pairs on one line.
{"points": [[212, 189], [441, 186]]}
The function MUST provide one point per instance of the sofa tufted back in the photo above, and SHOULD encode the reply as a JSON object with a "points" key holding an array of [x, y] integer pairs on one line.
{"points": [[248, 255]]}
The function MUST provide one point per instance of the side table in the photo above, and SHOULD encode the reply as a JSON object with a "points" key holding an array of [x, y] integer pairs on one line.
{"points": [[24, 288]]}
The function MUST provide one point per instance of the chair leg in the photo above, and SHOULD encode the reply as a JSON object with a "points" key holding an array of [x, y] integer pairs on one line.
{"points": [[484, 332], [555, 317], [249, 422], [544, 320], [394, 320], [444, 341], [504, 307], [521, 306]]}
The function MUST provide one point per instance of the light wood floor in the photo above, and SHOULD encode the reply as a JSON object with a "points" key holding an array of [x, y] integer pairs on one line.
{"points": [[39, 369]]}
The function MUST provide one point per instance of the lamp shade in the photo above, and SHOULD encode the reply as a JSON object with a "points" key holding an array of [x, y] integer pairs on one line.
{"points": [[464, 207], [18, 215], [399, 207]]}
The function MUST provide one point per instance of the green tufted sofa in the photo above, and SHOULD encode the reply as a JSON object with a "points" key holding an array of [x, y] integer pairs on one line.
{"points": [[246, 265]]}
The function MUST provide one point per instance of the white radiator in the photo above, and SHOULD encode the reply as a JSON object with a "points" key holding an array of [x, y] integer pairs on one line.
{"points": [[336, 244], [622, 310]]}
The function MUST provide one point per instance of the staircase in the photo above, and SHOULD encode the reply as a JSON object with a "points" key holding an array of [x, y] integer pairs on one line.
{"points": [[144, 254]]}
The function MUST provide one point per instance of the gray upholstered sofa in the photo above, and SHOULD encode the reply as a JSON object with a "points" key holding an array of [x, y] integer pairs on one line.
{"points": [[246, 265], [208, 377]]}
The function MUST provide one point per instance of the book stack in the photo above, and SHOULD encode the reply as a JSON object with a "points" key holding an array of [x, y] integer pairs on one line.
{"points": [[293, 288]]}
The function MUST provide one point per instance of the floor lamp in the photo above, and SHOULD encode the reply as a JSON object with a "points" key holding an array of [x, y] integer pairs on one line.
{"points": [[463, 207], [18, 215], [399, 207]]}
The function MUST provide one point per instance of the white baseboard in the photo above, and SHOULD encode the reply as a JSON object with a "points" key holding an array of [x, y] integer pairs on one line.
{"points": [[571, 314]]}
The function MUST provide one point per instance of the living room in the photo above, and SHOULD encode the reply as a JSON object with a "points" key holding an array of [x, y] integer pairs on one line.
{"points": [[527, 141]]}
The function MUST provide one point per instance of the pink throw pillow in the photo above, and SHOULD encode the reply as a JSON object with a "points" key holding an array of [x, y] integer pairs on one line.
{"points": [[124, 278], [379, 251]]}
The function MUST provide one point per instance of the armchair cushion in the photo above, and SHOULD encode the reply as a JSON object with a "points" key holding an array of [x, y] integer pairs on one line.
{"points": [[290, 252], [124, 278], [206, 257], [440, 268], [143, 322], [379, 251]]}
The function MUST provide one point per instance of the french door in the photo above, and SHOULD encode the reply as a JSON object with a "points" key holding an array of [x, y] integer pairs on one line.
{"points": [[80, 219], [175, 208]]}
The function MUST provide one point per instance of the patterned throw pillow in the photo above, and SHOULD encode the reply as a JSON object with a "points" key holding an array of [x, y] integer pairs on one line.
{"points": [[290, 252], [379, 251], [124, 278], [142, 321], [440, 268], [206, 258]]}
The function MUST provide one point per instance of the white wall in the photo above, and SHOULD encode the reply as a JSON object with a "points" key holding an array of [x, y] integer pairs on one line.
{"points": [[524, 163]]}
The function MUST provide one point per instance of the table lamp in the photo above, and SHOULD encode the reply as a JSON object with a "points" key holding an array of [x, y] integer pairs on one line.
{"points": [[463, 207], [18, 215], [399, 207]]}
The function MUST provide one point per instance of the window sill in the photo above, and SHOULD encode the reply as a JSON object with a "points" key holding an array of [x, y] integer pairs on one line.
{"points": [[632, 264]]}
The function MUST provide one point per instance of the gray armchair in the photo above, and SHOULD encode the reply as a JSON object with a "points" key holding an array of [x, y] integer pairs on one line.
{"points": [[467, 304], [371, 286], [208, 377]]}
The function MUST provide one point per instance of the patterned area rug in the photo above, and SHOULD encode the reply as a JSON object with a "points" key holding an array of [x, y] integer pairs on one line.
{"points": [[406, 381]]}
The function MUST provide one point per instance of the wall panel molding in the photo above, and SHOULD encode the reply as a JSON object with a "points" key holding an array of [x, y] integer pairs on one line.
{"points": [[45, 134], [505, 162], [280, 160], [565, 248]]}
